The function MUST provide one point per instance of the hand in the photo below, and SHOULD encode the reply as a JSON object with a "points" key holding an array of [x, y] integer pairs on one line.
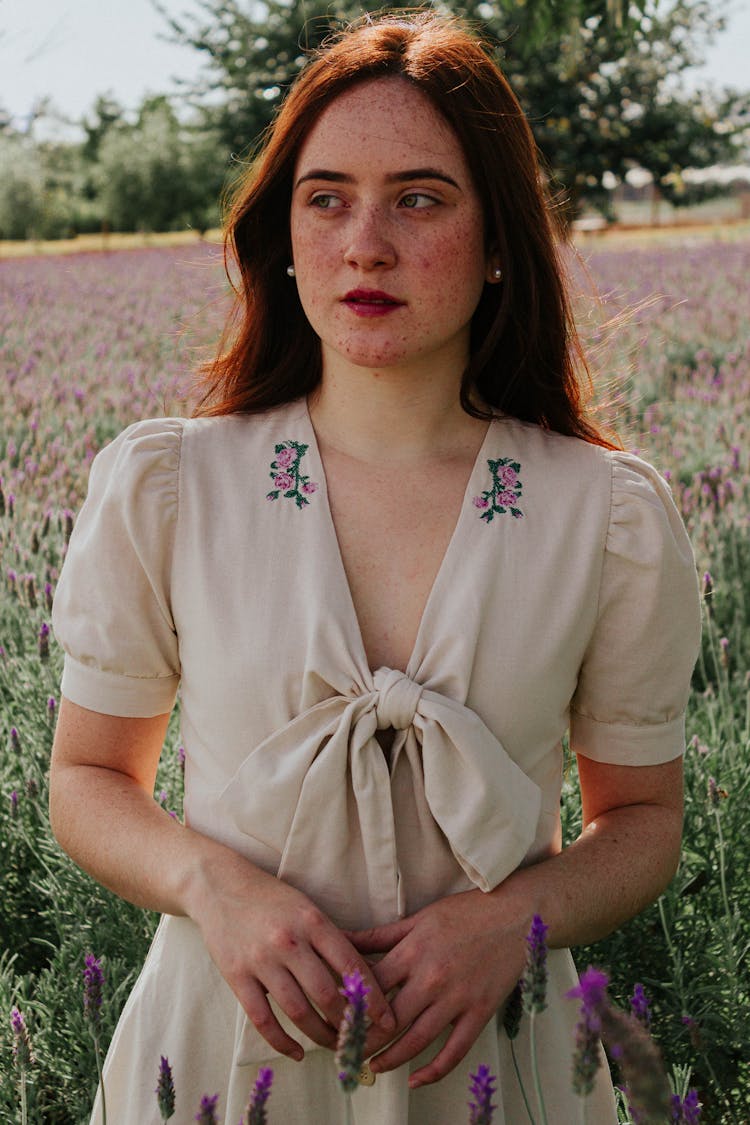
{"points": [[454, 964], [266, 938]]}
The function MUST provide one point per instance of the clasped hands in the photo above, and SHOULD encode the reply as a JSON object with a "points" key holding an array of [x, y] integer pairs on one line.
{"points": [[447, 968]]}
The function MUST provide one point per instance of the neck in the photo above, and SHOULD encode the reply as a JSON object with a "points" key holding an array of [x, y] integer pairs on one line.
{"points": [[388, 415]]}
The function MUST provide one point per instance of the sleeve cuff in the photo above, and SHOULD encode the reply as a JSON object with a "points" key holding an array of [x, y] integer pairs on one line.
{"points": [[627, 744], [110, 693]]}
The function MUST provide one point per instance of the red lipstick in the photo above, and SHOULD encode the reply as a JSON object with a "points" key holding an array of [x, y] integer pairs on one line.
{"points": [[371, 302]]}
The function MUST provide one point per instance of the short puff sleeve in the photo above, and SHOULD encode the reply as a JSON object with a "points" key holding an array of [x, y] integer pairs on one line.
{"points": [[633, 685], [112, 612]]}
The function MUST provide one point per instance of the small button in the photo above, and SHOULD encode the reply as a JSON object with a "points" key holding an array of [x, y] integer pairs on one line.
{"points": [[365, 1076]]}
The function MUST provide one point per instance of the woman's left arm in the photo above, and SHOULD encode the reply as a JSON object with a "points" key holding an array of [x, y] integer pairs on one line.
{"points": [[455, 962]]}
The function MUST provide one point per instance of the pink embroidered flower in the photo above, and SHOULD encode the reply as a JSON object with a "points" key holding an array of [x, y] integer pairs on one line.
{"points": [[283, 480], [508, 498], [507, 476], [481, 502], [309, 487], [286, 457]]}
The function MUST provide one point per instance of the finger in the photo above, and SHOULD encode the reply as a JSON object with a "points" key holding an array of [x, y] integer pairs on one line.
{"points": [[417, 1038], [292, 1000], [455, 1049], [260, 1014], [380, 939], [344, 959]]}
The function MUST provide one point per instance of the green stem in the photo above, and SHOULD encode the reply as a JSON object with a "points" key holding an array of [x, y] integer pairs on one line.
{"points": [[535, 1069], [97, 1054], [24, 1107], [349, 1116], [722, 868], [520, 1082]]}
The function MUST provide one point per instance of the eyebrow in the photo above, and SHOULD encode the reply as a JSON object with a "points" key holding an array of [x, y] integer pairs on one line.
{"points": [[392, 178]]}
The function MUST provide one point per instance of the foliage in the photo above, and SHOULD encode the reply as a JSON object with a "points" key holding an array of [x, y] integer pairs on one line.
{"points": [[87, 345], [597, 79]]}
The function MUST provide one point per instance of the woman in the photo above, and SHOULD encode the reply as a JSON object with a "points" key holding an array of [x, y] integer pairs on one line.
{"points": [[390, 562]]}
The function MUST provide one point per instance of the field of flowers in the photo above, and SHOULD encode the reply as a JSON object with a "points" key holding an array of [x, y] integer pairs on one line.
{"points": [[91, 342]]}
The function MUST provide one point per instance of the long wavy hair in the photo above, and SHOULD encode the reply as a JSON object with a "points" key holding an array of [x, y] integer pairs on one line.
{"points": [[525, 357]]}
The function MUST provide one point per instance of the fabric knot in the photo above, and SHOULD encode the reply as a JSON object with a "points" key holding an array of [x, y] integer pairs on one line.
{"points": [[398, 699]]}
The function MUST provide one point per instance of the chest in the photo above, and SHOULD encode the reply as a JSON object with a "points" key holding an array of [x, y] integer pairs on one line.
{"points": [[393, 528]]}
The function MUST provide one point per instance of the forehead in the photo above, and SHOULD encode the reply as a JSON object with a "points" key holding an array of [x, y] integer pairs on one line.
{"points": [[383, 121]]}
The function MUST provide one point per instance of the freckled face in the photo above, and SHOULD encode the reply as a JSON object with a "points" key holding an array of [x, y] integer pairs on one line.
{"points": [[387, 232]]}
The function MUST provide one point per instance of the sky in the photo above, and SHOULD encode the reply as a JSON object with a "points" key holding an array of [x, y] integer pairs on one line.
{"points": [[74, 50]]}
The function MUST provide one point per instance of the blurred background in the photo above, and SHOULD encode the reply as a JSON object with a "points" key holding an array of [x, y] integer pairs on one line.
{"points": [[134, 115]]}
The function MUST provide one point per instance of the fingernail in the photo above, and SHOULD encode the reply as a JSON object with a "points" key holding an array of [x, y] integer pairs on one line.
{"points": [[297, 1054], [387, 1021]]}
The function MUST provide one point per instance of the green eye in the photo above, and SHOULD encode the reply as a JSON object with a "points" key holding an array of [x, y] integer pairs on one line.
{"points": [[415, 200], [325, 202]]}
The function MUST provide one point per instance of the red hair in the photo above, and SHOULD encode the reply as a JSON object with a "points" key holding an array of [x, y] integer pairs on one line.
{"points": [[526, 360]]}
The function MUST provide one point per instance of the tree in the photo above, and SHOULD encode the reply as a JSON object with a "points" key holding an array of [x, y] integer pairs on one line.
{"points": [[158, 174], [598, 78]]}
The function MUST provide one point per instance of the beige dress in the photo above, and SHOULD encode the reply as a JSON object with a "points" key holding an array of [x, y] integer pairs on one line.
{"points": [[205, 557]]}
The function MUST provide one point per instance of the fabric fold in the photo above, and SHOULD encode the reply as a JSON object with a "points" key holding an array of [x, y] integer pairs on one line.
{"points": [[319, 793]]}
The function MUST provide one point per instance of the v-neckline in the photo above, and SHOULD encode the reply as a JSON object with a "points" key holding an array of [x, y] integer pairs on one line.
{"points": [[357, 634]]}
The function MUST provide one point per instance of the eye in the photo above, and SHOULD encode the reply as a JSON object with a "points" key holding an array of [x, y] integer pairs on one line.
{"points": [[417, 200], [324, 201]]}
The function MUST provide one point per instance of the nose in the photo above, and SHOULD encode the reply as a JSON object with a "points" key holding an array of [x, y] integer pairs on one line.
{"points": [[370, 245]]}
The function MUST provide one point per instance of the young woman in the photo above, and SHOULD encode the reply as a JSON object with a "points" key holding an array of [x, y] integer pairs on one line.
{"points": [[391, 563]]}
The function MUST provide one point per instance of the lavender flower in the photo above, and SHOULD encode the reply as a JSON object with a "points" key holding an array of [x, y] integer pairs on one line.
{"points": [[352, 1031], [591, 990], [534, 980], [256, 1110], [685, 1111], [640, 1063], [206, 1115], [482, 1088], [513, 1011], [14, 804], [23, 1056], [93, 991], [44, 641], [15, 740], [165, 1089], [640, 1006]]}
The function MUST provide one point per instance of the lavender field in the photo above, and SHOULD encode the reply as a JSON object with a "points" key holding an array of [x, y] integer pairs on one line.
{"points": [[91, 342]]}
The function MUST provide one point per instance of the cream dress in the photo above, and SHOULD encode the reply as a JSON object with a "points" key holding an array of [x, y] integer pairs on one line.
{"points": [[205, 557]]}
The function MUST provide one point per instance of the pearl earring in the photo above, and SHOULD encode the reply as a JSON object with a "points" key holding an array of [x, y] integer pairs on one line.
{"points": [[290, 271], [497, 273]]}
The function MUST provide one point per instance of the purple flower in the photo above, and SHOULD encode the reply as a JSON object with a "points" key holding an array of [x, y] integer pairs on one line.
{"points": [[534, 981], [15, 740], [352, 1031], [691, 1108], [206, 1115], [309, 487], [591, 990], [283, 480], [640, 1006], [507, 476], [640, 1063], [256, 1111], [93, 991], [165, 1089], [507, 498], [51, 706], [481, 502], [44, 641], [181, 757], [14, 804], [23, 1056], [482, 1087]]}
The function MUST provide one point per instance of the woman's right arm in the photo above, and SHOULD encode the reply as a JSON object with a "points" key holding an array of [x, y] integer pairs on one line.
{"points": [[263, 935]]}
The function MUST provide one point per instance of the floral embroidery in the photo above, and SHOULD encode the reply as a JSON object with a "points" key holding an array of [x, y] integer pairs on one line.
{"points": [[505, 492], [287, 475]]}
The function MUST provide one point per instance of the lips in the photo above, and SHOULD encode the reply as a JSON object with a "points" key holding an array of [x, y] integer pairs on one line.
{"points": [[371, 302]]}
